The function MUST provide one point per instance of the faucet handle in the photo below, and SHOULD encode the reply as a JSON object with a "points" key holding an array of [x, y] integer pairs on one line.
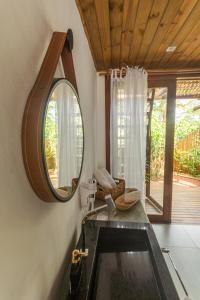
{"points": [[77, 254], [111, 207]]}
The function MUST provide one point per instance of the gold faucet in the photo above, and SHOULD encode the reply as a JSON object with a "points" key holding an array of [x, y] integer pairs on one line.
{"points": [[77, 254], [111, 208]]}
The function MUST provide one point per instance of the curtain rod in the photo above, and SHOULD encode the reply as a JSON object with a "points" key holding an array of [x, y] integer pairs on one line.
{"points": [[172, 71]]}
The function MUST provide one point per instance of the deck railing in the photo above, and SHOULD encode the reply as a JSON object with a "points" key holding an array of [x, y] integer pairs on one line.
{"points": [[187, 154], [189, 142]]}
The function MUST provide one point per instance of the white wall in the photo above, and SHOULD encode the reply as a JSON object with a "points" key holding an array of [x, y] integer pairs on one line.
{"points": [[35, 237], [100, 137]]}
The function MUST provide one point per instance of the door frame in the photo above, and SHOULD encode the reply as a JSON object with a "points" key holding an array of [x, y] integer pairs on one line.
{"points": [[170, 84]]}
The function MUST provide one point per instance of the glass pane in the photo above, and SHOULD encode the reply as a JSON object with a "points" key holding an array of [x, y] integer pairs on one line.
{"points": [[157, 109]]}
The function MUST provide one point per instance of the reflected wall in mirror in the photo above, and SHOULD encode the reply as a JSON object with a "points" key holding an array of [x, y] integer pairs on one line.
{"points": [[63, 139]]}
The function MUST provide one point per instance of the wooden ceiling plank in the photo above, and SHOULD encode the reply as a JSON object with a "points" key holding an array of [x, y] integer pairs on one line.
{"points": [[116, 17], [91, 24], [128, 23], [143, 12], [195, 60], [194, 63], [155, 16], [190, 50], [190, 24], [168, 17], [174, 27], [85, 3], [186, 49], [129, 32], [78, 3], [102, 12]]}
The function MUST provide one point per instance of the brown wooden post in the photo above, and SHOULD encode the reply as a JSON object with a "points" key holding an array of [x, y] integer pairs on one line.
{"points": [[169, 150]]}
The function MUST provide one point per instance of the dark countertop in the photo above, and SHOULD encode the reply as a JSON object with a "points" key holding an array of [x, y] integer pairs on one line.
{"points": [[136, 214], [92, 230]]}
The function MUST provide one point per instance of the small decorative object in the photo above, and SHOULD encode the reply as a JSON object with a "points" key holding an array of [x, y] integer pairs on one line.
{"points": [[115, 192], [132, 196], [102, 191], [128, 200], [88, 191], [104, 178]]}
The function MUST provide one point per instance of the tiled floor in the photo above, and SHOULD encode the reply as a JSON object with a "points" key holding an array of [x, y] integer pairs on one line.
{"points": [[183, 242]]}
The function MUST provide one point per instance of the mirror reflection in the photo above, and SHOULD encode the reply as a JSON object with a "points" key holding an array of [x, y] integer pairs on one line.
{"points": [[63, 139]]}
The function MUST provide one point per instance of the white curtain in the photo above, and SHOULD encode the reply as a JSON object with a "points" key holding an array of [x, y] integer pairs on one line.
{"points": [[69, 121], [128, 126]]}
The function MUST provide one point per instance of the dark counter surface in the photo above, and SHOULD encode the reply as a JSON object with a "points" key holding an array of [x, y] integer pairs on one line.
{"points": [[136, 214], [92, 229]]}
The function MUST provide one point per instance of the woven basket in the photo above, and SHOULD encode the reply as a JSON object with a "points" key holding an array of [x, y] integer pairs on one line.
{"points": [[102, 192], [115, 192], [74, 183]]}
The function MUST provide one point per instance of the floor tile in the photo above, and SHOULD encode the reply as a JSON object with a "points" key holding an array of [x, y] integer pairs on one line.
{"points": [[172, 235], [187, 261], [175, 279], [194, 233]]}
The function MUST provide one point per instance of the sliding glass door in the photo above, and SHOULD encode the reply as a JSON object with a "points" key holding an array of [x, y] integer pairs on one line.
{"points": [[155, 165], [160, 137]]}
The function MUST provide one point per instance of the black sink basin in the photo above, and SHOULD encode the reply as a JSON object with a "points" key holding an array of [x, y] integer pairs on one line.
{"points": [[124, 263], [124, 268]]}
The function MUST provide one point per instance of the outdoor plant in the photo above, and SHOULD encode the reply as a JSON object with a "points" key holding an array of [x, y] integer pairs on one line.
{"points": [[187, 123], [188, 161], [158, 141], [51, 136]]}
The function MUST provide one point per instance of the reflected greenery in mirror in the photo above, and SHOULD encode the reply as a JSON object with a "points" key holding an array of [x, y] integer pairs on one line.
{"points": [[63, 139]]}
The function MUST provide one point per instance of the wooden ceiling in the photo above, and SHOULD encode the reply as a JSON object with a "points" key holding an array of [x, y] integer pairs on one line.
{"points": [[138, 32]]}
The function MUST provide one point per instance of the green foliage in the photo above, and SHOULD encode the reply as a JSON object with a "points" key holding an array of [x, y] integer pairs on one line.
{"points": [[187, 121], [158, 139], [51, 135], [188, 161]]}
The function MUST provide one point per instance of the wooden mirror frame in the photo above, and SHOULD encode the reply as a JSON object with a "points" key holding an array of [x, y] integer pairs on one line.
{"points": [[32, 145]]}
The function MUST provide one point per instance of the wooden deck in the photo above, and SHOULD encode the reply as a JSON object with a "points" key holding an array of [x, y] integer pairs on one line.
{"points": [[185, 203]]}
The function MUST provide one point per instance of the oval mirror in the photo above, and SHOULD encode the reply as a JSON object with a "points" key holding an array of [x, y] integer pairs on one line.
{"points": [[63, 140]]}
